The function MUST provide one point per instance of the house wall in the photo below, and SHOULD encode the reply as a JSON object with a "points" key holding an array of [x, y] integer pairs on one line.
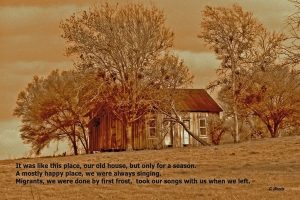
{"points": [[138, 138], [108, 133], [194, 121], [177, 131], [195, 126]]}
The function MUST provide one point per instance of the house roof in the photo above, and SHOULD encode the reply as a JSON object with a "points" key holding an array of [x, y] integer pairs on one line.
{"points": [[196, 100], [187, 100]]}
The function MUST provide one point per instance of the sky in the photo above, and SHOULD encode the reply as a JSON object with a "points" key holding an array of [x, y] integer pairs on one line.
{"points": [[31, 44]]}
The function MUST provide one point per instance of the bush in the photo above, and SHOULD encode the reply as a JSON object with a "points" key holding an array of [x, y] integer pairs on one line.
{"points": [[217, 129]]}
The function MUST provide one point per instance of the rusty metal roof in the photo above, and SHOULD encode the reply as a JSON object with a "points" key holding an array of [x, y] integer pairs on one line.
{"points": [[196, 100], [187, 100]]}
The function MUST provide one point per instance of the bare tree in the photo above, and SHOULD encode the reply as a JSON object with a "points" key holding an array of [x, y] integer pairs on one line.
{"points": [[128, 47], [274, 97], [265, 56], [231, 33], [272, 92], [293, 46], [52, 109]]}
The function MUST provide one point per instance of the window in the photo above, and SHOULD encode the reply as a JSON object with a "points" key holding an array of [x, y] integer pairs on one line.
{"points": [[203, 114], [202, 127], [152, 127]]}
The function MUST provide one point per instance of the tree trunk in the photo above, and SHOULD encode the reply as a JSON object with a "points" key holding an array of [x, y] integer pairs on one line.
{"points": [[236, 126], [75, 148], [176, 119], [129, 137], [236, 137], [270, 130], [73, 140], [273, 130], [203, 142], [85, 138]]}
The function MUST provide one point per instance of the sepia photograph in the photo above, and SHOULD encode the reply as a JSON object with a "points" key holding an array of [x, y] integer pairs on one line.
{"points": [[150, 99]]}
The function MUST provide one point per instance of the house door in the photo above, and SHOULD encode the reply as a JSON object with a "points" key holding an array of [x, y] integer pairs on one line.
{"points": [[186, 136], [168, 133]]}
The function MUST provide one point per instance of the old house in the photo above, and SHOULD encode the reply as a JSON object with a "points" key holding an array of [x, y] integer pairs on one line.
{"points": [[155, 131]]}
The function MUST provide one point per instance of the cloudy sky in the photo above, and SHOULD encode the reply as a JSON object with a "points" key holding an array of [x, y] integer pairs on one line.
{"points": [[30, 44]]}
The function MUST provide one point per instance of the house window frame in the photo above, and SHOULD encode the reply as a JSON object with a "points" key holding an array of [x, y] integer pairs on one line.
{"points": [[149, 127], [202, 127]]}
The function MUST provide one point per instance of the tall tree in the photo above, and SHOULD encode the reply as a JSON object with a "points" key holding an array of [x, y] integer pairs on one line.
{"points": [[128, 46], [274, 97], [272, 92], [52, 109], [231, 33], [293, 47]]}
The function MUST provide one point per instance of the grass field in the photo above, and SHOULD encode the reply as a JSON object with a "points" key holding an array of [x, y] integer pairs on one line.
{"points": [[266, 163]]}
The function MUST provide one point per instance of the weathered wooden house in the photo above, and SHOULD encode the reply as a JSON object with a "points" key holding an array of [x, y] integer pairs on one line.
{"points": [[107, 133]]}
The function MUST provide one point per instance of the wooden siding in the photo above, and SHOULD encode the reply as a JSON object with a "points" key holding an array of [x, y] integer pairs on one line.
{"points": [[108, 133], [138, 136]]}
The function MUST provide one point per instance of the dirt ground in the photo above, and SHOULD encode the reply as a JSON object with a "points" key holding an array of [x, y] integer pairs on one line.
{"points": [[269, 168]]}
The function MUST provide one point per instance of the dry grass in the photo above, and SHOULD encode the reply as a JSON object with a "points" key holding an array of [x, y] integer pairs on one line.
{"points": [[266, 163]]}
